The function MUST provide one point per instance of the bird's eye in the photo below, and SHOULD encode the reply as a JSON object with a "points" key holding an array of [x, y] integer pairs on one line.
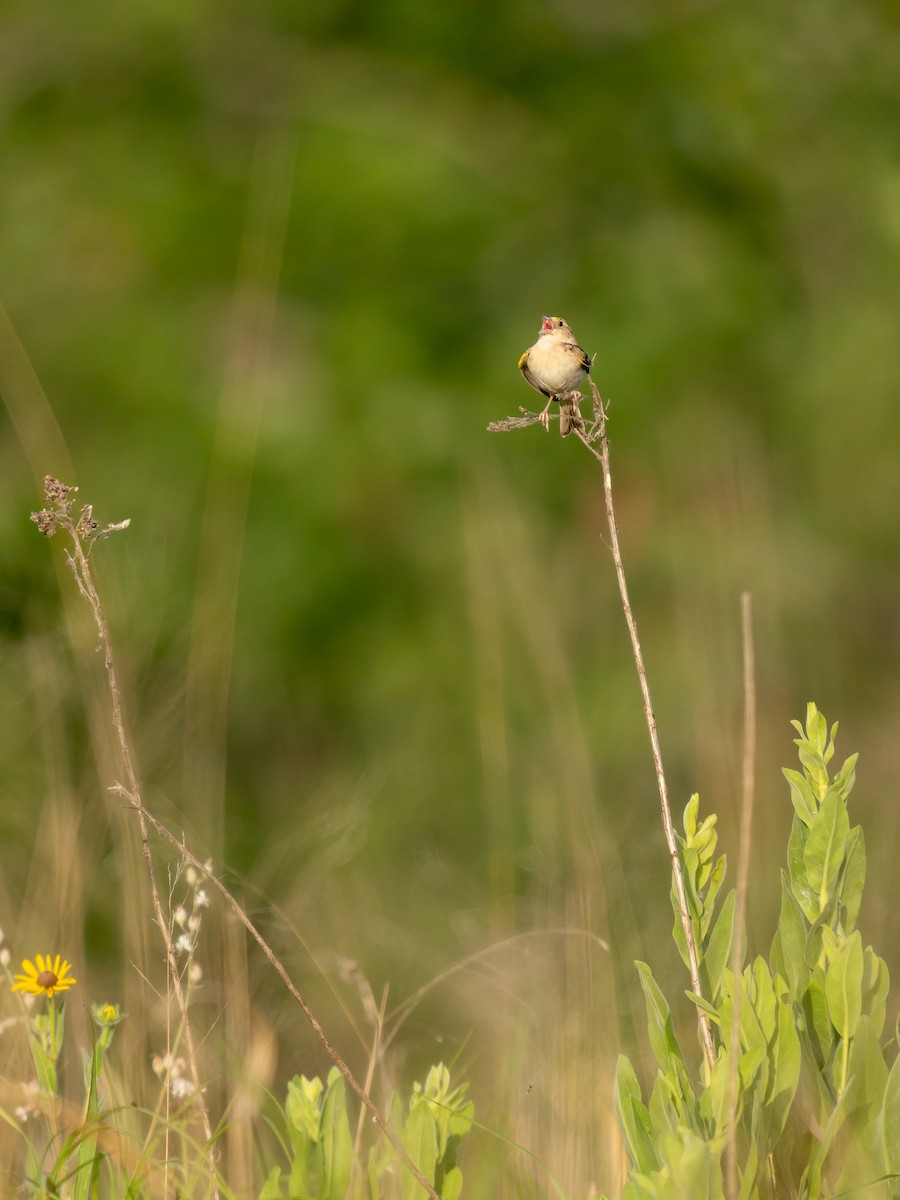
{"points": [[560, 323]]}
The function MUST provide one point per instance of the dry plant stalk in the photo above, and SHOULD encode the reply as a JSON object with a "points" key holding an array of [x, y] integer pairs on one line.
{"points": [[84, 530], [593, 437], [748, 787]]}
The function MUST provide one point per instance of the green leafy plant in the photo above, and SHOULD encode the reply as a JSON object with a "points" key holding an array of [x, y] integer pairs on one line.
{"points": [[324, 1162], [802, 1092]]}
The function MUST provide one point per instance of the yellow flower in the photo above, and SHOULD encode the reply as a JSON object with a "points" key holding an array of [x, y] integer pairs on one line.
{"points": [[49, 976]]}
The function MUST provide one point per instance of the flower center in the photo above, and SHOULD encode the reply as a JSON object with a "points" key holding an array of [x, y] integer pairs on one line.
{"points": [[47, 979]]}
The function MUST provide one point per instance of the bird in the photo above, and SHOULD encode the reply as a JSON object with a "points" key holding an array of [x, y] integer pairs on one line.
{"points": [[555, 366]]}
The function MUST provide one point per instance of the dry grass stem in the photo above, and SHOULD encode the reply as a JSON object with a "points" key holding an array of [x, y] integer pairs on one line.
{"points": [[84, 531], [743, 875], [592, 437]]}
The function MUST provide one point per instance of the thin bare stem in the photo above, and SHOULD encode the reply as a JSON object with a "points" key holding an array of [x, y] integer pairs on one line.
{"points": [[85, 530], [743, 875], [590, 438], [81, 531], [278, 967]]}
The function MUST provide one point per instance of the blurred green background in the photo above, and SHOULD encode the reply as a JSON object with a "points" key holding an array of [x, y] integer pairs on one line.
{"points": [[272, 265]]}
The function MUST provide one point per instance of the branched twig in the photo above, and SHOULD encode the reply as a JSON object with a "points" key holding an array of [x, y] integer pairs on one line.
{"points": [[593, 437], [84, 531], [530, 418]]}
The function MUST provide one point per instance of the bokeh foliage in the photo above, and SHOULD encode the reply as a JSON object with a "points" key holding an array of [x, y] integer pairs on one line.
{"points": [[273, 265]]}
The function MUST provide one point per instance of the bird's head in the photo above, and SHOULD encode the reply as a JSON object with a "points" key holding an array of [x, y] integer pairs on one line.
{"points": [[554, 325]]}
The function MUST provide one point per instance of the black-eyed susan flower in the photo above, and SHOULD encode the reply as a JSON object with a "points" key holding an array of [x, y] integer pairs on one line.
{"points": [[44, 977]]}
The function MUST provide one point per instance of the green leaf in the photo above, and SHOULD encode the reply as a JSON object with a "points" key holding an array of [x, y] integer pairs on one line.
{"points": [[890, 1120], [303, 1111], [421, 1144], [659, 1021], [818, 1021], [303, 1107], [802, 798], [785, 1058], [843, 986], [716, 879], [876, 985], [271, 1189], [689, 820], [692, 1165], [824, 850], [845, 779], [336, 1141], [634, 1120], [854, 878], [800, 885], [749, 1172], [718, 949], [451, 1188], [787, 954], [868, 1077]]}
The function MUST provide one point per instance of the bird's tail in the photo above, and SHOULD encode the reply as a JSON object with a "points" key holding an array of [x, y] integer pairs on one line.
{"points": [[569, 417]]}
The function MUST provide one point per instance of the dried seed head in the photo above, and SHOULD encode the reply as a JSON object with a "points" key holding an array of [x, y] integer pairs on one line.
{"points": [[56, 492], [45, 521]]}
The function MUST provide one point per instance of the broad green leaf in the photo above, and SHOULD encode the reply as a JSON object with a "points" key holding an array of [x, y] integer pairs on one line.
{"points": [[659, 1021], [890, 1122], [664, 1108], [718, 949], [762, 996], [867, 1080], [711, 1011], [818, 1022], [820, 1150], [716, 879], [749, 1172], [843, 986], [785, 1058], [802, 798], [800, 885], [336, 1140], [825, 846], [634, 1120], [420, 1143], [854, 878], [876, 985], [694, 1166], [787, 953], [846, 777], [451, 1188], [271, 1189], [682, 1091], [752, 1048]]}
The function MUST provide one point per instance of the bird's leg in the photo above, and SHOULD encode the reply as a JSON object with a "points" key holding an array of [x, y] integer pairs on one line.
{"points": [[544, 417]]}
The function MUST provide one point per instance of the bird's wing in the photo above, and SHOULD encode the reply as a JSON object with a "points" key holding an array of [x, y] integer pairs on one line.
{"points": [[586, 362]]}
